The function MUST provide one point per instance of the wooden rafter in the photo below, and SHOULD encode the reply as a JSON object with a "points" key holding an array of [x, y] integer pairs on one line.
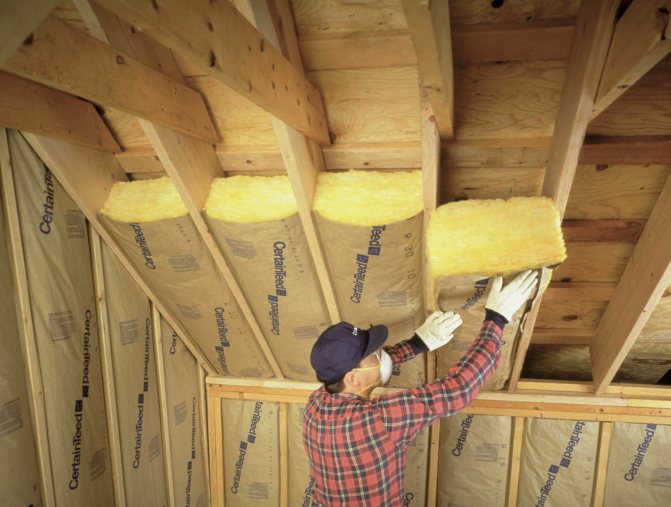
{"points": [[594, 28], [215, 37], [302, 158], [32, 107], [642, 38], [643, 282], [70, 60], [191, 163], [18, 18], [429, 26]]}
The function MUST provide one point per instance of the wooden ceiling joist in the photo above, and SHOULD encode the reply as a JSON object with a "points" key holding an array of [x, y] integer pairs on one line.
{"points": [[216, 38], [26, 105], [646, 277], [18, 18], [594, 28], [642, 38], [429, 25], [191, 163], [70, 60], [87, 175]]}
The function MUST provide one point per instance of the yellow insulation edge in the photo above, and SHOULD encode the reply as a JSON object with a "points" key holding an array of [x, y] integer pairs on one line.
{"points": [[494, 236], [368, 197], [144, 201], [251, 199]]}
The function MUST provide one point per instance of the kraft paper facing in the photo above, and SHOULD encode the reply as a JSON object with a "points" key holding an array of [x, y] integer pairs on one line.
{"points": [[60, 283], [20, 477], [272, 263], [170, 256], [251, 453], [474, 460], [558, 460], [135, 385], [377, 279], [184, 420], [639, 470]]}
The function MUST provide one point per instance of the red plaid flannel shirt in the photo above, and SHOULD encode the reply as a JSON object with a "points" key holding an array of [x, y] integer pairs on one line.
{"points": [[357, 448]]}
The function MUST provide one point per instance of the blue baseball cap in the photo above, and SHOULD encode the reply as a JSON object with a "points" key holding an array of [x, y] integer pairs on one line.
{"points": [[341, 347]]}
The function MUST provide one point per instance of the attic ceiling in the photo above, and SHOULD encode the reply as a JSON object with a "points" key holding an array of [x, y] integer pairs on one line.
{"points": [[512, 67]]}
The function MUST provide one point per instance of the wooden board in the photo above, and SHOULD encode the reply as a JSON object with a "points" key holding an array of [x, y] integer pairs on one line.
{"points": [[370, 105], [616, 191], [570, 314], [507, 100], [490, 182], [593, 262], [484, 11]]}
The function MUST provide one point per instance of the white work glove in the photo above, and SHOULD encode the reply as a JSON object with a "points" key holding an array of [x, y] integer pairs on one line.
{"points": [[438, 329], [508, 300]]}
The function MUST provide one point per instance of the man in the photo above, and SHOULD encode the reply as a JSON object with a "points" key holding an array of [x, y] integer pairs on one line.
{"points": [[357, 446]]}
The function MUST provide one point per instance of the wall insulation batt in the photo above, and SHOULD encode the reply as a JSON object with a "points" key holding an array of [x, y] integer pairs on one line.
{"points": [[251, 453], [20, 479], [474, 460], [60, 283], [639, 470], [255, 221], [558, 460], [150, 222], [371, 227], [300, 488], [135, 387], [471, 241], [182, 379]]}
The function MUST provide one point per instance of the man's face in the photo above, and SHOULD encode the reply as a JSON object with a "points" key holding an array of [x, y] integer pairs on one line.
{"points": [[369, 368]]}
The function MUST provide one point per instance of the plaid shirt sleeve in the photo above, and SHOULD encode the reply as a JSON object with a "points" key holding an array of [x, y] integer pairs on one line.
{"points": [[406, 412]]}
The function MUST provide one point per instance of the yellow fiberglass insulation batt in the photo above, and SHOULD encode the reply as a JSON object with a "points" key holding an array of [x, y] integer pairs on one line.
{"points": [[251, 199], [495, 236], [144, 201], [368, 197]]}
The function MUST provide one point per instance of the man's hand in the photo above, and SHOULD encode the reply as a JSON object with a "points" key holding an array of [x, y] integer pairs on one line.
{"points": [[508, 300], [438, 329]]}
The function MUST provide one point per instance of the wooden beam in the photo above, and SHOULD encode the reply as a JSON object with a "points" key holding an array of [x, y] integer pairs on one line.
{"points": [[204, 432], [599, 488], [87, 176], [515, 461], [594, 28], [38, 411], [579, 291], [26, 105], [283, 435], [163, 406], [642, 38], [302, 158], [429, 27], [215, 37], [109, 385], [626, 150], [643, 282], [70, 60], [18, 18], [192, 165], [543, 336]]}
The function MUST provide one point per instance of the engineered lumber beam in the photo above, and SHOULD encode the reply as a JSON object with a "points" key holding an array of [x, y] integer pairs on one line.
{"points": [[594, 28], [87, 175], [18, 18], [429, 26], [646, 277], [72, 61], [25, 321], [26, 105], [302, 158], [157, 333], [191, 163], [642, 38], [216, 38]]}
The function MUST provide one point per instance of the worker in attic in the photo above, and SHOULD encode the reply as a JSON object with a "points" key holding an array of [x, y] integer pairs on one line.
{"points": [[357, 446]]}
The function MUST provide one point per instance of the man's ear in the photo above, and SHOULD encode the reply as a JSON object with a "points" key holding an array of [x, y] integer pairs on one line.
{"points": [[351, 379]]}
